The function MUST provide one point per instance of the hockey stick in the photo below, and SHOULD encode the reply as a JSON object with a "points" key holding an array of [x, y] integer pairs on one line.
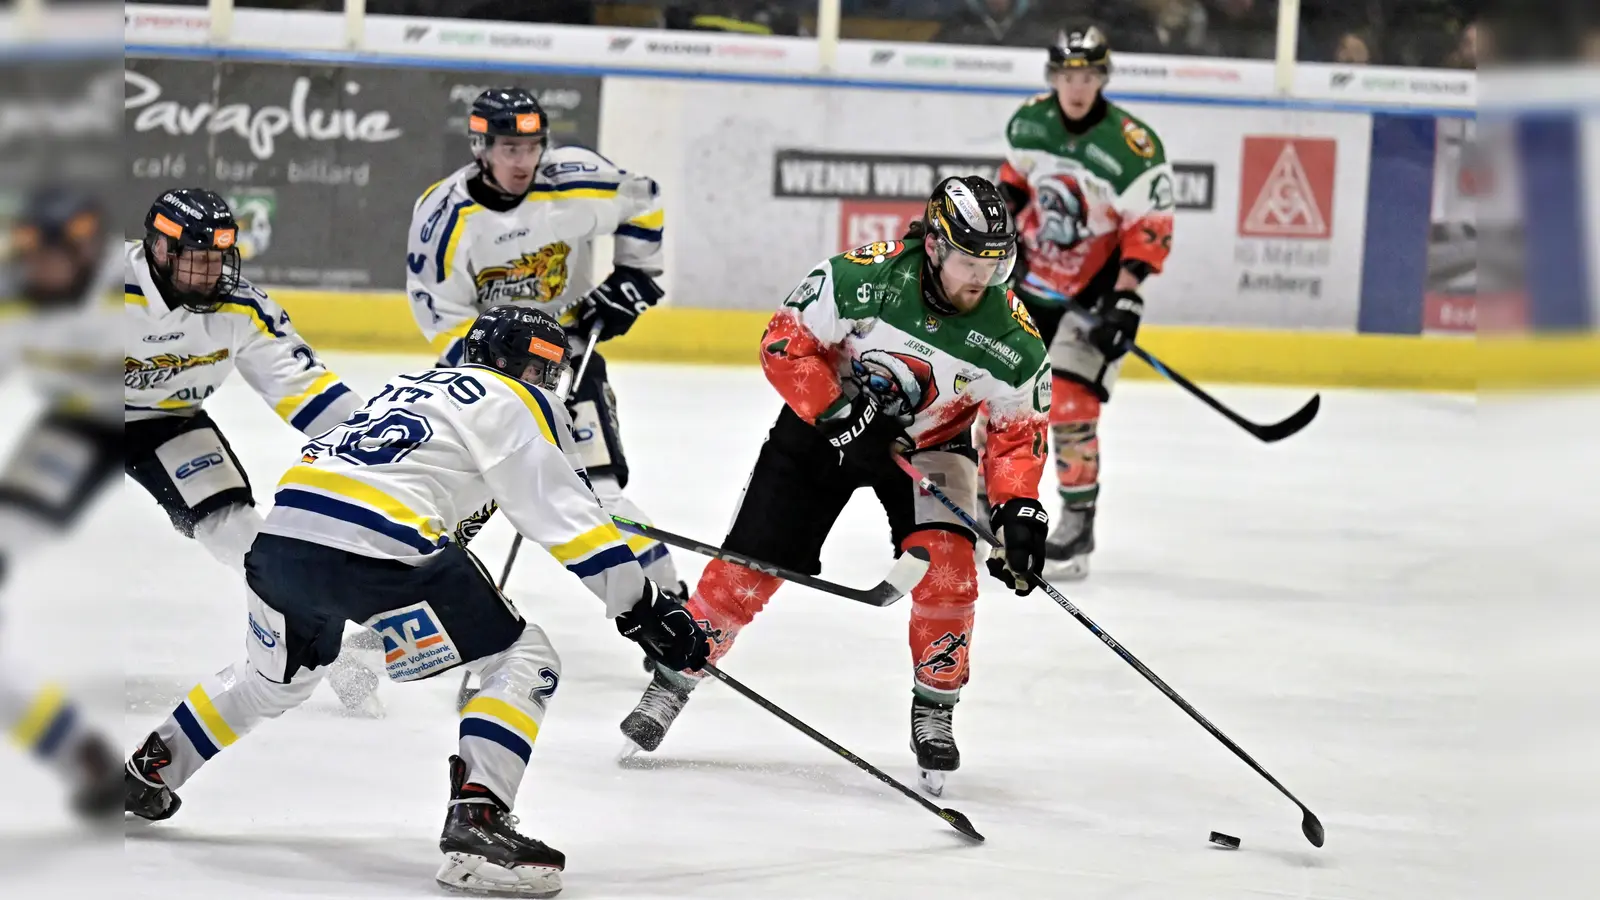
{"points": [[955, 819], [1310, 825], [1276, 431], [464, 693], [907, 571]]}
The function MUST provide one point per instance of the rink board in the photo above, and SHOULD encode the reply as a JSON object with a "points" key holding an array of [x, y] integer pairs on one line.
{"points": [[382, 322]]}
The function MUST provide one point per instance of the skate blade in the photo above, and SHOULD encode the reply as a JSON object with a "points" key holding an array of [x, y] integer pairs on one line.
{"points": [[470, 874], [931, 781], [629, 750]]}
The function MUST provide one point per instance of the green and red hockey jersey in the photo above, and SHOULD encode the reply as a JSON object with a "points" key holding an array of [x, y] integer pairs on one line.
{"points": [[1091, 196], [858, 321]]}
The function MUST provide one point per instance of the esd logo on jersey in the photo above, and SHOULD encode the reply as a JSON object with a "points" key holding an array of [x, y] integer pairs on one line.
{"points": [[415, 645]]}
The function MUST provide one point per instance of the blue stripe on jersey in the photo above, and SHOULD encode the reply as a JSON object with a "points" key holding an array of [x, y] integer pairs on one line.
{"points": [[444, 239], [538, 398], [193, 731], [132, 289], [651, 555], [310, 411], [355, 515], [452, 357], [639, 234], [56, 732], [605, 559], [499, 734], [261, 314], [573, 186]]}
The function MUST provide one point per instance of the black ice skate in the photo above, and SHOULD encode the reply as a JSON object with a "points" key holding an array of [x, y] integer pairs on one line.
{"points": [[98, 775], [144, 793], [484, 854], [648, 723], [934, 743], [1067, 549]]}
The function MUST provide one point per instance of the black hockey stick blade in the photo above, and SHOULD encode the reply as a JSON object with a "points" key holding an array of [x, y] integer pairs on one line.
{"points": [[1310, 825], [907, 571], [1270, 433], [955, 819]]}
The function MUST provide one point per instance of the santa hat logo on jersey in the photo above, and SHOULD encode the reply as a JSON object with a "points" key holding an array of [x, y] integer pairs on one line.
{"points": [[904, 384]]}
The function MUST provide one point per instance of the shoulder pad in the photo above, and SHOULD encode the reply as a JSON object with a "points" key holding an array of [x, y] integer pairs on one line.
{"points": [[574, 163]]}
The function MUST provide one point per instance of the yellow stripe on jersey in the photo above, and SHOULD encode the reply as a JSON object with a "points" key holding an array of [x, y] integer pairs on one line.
{"points": [[423, 198], [366, 494], [453, 239], [442, 341], [39, 715], [638, 543], [207, 711], [129, 298], [574, 194], [504, 712], [286, 407], [650, 220], [584, 544], [256, 316], [541, 416]]}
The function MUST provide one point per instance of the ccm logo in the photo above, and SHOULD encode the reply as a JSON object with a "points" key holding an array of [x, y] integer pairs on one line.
{"points": [[198, 464], [162, 338]]}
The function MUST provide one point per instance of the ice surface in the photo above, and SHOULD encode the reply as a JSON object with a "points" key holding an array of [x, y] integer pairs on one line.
{"points": [[1305, 596]]}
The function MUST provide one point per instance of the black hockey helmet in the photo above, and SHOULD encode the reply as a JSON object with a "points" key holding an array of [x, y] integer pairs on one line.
{"points": [[59, 242], [506, 112], [190, 243], [966, 214], [1080, 48], [523, 342]]}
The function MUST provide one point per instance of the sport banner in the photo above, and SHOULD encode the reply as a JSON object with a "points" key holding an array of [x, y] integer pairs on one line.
{"points": [[320, 163]]}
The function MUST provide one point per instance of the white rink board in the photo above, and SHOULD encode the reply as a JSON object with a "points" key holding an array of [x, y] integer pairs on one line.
{"points": [[711, 146], [1304, 596]]}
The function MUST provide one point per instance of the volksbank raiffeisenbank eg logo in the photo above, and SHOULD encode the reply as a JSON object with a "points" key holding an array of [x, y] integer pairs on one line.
{"points": [[260, 125]]}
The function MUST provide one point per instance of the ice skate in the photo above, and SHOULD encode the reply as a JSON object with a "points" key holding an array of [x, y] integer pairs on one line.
{"points": [[647, 725], [484, 854], [1066, 551], [934, 743], [144, 793]]}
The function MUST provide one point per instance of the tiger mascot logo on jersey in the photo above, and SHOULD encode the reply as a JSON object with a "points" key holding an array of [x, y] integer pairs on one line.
{"points": [[874, 253], [540, 275], [904, 384], [144, 374]]}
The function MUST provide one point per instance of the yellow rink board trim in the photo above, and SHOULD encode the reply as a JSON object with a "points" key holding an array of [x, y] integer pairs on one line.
{"points": [[383, 322]]}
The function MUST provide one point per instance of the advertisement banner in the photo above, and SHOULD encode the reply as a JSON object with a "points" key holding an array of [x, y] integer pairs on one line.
{"points": [[1387, 84], [760, 183], [321, 163]]}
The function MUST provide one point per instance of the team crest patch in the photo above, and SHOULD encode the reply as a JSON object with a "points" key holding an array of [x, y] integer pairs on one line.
{"points": [[904, 384], [540, 275], [144, 374], [962, 381], [874, 253], [415, 644], [930, 324], [1020, 313], [1138, 139]]}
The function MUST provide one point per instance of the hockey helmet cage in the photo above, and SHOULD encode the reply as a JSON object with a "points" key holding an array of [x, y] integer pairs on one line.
{"points": [[60, 220], [1080, 48], [525, 343], [967, 214], [201, 236]]}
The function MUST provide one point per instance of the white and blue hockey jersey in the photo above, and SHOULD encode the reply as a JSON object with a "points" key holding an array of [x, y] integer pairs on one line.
{"points": [[175, 358], [435, 447], [463, 258]]}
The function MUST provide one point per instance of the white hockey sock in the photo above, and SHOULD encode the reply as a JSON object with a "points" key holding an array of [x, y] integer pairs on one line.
{"points": [[228, 533], [499, 725], [223, 708]]}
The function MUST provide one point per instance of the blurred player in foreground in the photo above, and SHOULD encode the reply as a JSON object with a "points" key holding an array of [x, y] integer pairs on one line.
{"points": [[60, 321], [360, 531], [518, 225], [190, 321], [892, 347], [1093, 196]]}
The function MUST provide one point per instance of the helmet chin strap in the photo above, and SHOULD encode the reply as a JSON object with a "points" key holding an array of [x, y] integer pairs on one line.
{"points": [[933, 289]]}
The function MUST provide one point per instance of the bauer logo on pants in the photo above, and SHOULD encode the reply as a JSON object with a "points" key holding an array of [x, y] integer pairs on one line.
{"points": [[415, 645], [1286, 187]]}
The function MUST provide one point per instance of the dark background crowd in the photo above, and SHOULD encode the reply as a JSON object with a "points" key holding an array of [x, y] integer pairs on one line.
{"points": [[1430, 33]]}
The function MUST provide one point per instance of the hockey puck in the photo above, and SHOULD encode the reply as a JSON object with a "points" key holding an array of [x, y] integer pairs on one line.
{"points": [[1227, 841]]}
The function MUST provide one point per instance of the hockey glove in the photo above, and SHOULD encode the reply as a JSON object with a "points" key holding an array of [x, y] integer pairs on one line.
{"points": [[618, 302], [664, 628], [865, 434], [1116, 323], [1021, 523]]}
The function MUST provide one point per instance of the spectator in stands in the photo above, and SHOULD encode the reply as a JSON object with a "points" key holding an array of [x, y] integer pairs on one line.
{"points": [[1244, 29], [1013, 23], [1465, 55], [1353, 48]]}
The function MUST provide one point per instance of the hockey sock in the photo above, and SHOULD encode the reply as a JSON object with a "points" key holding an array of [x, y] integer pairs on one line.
{"points": [[223, 708], [1074, 419], [943, 607], [726, 599], [500, 725]]}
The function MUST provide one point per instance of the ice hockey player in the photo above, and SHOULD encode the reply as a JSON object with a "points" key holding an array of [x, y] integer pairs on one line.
{"points": [[60, 324], [518, 225], [1093, 196], [190, 321], [892, 347], [359, 531]]}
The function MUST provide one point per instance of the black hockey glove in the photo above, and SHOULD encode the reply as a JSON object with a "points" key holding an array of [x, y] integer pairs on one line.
{"points": [[662, 625], [866, 433], [618, 301], [1116, 323], [1021, 523]]}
